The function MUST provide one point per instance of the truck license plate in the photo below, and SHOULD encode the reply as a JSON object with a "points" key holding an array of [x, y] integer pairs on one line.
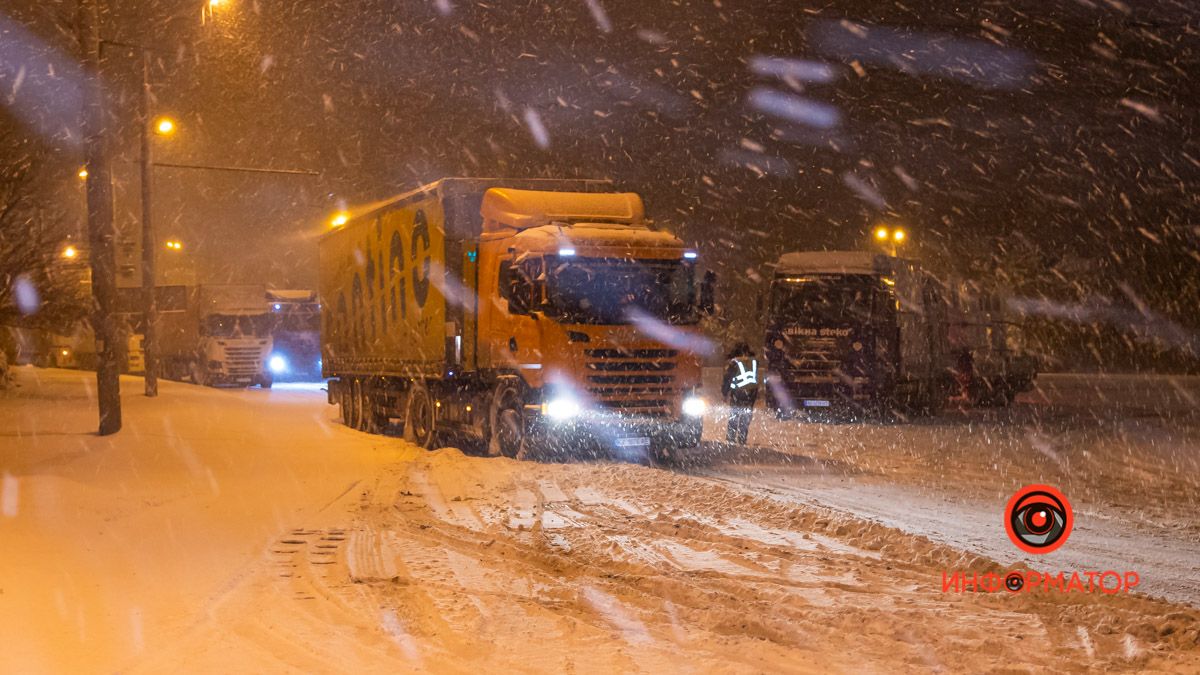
{"points": [[816, 403], [633, 442]]}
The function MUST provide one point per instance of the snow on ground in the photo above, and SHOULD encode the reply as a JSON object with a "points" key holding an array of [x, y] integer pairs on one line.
{"points": [[248, 531], [1124, 449]]}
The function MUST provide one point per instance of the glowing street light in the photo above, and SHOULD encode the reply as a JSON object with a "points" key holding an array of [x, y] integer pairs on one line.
{"points": [[83, 174], [163, 126], [889, 238], [209, 9], [70, 253]]}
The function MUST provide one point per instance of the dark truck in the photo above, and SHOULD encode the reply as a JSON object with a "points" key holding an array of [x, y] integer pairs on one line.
{"points": [[295, 335], [856, 333]]}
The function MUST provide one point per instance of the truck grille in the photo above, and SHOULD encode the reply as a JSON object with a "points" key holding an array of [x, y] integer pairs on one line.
{"points": [[632, 381], [243, 360], [813, 357]]}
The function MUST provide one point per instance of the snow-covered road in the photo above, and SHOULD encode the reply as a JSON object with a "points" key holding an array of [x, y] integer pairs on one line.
{"points": [[249, 531]]}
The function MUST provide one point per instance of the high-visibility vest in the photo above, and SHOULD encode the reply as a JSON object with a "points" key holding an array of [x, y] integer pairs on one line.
{"points": [[747, 375]]}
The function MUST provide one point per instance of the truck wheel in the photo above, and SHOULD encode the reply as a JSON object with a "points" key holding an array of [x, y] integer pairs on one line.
{"points": [[198, 374], [372, 421], [343, 401], [355, 399], [266, 381], [934, 401], [420, 424], [668, 457], [507, 424]]}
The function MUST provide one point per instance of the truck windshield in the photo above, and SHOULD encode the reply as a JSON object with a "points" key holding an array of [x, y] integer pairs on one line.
{"points": [[297, 319], [609, 291], [829, 299], [235, 325]]}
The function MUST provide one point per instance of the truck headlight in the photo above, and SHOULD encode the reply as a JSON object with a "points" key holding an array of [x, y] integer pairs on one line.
{"points": [[694, 406], [277, 364], [561, 409]]}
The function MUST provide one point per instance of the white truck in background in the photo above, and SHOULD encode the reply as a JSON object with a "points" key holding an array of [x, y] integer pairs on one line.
{"points": [[216, 335]]}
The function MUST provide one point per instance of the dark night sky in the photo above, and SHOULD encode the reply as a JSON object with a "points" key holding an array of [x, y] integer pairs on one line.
{"points": [[1053, 141]]}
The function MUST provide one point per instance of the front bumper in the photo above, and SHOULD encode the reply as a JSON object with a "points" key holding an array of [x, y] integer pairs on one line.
{"points": [[238, 377], [819, 396], [615, 435]]}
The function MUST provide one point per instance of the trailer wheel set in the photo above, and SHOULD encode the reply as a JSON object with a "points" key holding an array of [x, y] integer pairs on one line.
{"points": [[505, 423], [369, 404]]}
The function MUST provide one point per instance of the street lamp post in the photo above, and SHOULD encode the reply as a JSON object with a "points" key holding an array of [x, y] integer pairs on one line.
{"points": [[149, 302], [150, 306]]}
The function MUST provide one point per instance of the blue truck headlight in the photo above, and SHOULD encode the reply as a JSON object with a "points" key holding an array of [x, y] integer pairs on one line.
{"points": [[562, 409], [694, 406], [277, 364]]}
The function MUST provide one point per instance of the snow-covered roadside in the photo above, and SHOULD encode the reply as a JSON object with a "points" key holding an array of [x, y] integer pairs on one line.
{"points": [[1167, 561], [247, 531], [114, 546], [1124, 447]]}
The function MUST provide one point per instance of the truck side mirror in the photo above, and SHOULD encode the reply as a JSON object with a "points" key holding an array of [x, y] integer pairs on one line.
{"points": [[708, 293]]}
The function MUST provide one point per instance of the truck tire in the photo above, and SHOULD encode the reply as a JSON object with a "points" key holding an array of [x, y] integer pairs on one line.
{"points": [[342, 399], [354, 398], [420, 418], [933, 402], [991, 394], [507, 424], [373, 421], [266, 381], [1001, 395], [198, 374]]}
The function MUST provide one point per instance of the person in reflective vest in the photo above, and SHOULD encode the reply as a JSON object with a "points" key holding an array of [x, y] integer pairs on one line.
{"points": [[740, 389]]}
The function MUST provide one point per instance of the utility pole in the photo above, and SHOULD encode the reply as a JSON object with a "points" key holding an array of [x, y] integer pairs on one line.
{"points": [[150, 309], [101, 230]]}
